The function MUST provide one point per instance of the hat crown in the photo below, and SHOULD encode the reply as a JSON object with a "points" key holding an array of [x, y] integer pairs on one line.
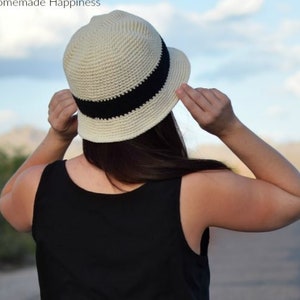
{"points": [[111, 55], [122, 76]]}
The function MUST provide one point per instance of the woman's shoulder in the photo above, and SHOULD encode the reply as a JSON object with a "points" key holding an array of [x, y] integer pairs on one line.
{"points": [[201, 191], [18, 205], [202, 181], [197, 187]]}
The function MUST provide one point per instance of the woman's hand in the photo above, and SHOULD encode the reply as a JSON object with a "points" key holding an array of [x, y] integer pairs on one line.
{"points": [[213, 112], [210, 108], [62, 118]]}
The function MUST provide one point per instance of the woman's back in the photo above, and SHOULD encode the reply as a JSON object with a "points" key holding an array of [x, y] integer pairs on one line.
{"points": [[114, 246]]}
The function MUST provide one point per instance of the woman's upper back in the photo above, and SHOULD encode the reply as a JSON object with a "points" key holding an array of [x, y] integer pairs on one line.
{"points": [[116, 246]]}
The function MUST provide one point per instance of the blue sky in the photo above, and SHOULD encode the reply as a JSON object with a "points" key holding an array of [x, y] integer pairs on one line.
{"points": [[248, 49]]}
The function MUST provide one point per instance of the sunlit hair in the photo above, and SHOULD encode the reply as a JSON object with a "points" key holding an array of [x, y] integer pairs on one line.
{"points": [[157, 154]]}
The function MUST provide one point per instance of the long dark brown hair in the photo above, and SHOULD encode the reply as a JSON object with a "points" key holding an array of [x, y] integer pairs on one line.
{"points": [[157, 154]]}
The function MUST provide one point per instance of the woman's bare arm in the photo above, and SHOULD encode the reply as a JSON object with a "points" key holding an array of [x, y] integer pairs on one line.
{"points": [[270, 201], [63, 129]]}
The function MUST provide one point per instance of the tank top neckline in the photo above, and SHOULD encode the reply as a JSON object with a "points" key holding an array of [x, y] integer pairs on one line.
{"points": [[107, 195]]}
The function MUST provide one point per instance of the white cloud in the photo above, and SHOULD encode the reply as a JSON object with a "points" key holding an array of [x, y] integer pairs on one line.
{"points": [[23, 29], [292, 84], [232, 8]]}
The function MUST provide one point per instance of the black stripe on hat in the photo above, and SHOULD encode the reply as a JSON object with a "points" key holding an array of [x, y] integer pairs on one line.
{"points": [[123, 104]]}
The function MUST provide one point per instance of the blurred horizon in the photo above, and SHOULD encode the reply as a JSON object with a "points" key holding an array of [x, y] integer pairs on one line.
{"points": [[24, 140]]}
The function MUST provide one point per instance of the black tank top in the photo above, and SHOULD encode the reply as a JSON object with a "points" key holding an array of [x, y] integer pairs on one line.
{"points": [[126, 246]]}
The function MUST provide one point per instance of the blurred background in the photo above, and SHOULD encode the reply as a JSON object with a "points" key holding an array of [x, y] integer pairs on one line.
{"points": [[250, 50]]}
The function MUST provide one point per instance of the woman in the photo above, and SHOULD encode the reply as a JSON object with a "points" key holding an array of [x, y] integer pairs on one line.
{"points": [[128, 218]]}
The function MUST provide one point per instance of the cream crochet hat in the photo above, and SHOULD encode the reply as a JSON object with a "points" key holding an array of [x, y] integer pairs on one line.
{"points": [[122, 77]]}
